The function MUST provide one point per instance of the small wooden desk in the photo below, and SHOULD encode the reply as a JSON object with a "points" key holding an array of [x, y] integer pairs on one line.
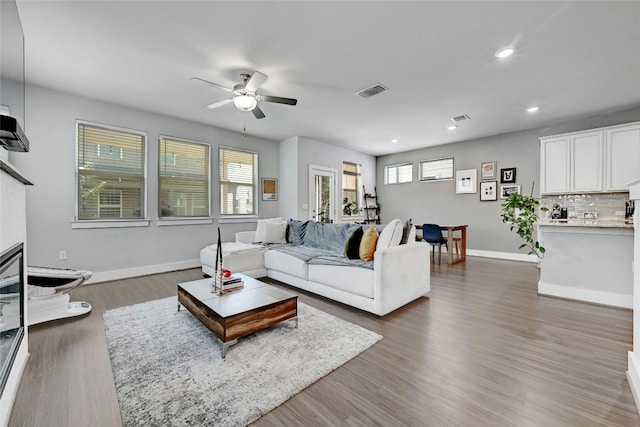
{"points": [[463, 242]]}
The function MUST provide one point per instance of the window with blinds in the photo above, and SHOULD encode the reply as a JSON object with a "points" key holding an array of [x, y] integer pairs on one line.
{"points": [[398, 174], [351, 184], [436, 169], [238, 181], [183, 172], [111, 173]]}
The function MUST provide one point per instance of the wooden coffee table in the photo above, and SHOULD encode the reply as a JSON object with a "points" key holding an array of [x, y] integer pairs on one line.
{"points": [[240, 312]]}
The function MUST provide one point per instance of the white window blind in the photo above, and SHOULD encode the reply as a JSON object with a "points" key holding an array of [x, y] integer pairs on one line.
{"points": [[111, 173], [238, 181], [398, 174], [183, 170], [351, 185], [436, 169]]}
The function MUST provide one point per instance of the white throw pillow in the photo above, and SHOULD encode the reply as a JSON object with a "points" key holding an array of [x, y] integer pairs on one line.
{"points": [[391, 235], [412, 235], [275, 232], [261, 228]]}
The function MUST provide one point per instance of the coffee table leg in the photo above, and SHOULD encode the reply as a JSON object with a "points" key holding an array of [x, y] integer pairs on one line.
{"points": [[226, 345], [296, 322]]}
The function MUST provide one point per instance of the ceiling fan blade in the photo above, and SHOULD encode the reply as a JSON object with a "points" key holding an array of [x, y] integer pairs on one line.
{"points": [[219, 104], [277, 99], [258, 113], [212, 84], [256, 81]]}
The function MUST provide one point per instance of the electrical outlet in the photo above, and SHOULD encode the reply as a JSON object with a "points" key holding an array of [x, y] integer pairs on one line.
{"points": [[62, 255]]}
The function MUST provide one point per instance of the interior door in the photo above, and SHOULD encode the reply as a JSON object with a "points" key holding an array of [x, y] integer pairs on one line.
{"points": [[322, 182]]}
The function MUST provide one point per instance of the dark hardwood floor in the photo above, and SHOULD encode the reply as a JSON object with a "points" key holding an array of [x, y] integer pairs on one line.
{"points": [[483, 350]]}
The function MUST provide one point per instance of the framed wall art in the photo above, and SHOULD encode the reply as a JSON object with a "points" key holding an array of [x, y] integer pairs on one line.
{"points": [[488, 191], [467, 181], [269, 189], [508, 190], [507, 176], [488, 170]]}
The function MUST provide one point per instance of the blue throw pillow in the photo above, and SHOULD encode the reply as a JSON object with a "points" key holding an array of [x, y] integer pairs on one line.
{"points": [[296, 231]]}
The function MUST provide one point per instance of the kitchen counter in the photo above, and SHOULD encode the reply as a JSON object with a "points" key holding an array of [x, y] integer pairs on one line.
{"points": [[588, 262], [585, 223]]}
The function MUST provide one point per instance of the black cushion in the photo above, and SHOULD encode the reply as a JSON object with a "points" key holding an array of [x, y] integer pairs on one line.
{"points": [[352, 248]]}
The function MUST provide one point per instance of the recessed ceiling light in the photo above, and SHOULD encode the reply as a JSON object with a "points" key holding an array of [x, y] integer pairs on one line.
{"points": [[532, 109], [394, 140], [452, 127], [503, 53]]}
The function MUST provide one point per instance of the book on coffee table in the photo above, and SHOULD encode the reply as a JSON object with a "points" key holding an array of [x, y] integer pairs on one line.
{"points": [[231, 283]]}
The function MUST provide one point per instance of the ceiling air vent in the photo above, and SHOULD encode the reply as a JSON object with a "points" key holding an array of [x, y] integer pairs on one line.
{"points": [[371, 91], [460, 118]]}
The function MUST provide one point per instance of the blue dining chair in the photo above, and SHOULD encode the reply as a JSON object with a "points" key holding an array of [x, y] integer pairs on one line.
{"points": [[432, 234]]}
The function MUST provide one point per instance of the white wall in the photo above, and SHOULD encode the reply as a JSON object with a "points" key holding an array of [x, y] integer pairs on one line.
{"points": [[308, 151], [50, 202], [289, 178], [437, 202]]}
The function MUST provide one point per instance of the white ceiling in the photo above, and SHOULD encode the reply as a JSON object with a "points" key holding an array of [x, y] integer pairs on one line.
{"points": [[573, 59]]}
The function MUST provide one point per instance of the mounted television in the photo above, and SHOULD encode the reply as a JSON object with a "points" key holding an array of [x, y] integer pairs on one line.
{"points": [[12, 87]]}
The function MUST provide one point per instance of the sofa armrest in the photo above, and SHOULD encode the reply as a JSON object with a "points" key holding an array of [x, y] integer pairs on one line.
{"points": [[245, 236], [401, 274]]}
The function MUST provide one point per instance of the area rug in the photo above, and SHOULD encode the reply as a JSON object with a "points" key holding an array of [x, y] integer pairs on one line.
{"points": [[168, 370]]}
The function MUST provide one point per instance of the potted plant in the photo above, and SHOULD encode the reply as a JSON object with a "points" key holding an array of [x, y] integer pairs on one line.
{"points": [[520, 212], [348, 207]]}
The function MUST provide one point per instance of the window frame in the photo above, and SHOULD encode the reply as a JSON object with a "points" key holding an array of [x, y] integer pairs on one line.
{"points": [[358, 189], [185, 220], [397, 167], [438, 159], [78, 223], [256, 185]]}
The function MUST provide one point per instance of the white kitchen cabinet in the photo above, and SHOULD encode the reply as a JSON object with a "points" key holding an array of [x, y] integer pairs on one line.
{"points": [[586, 162], [596, 160], [554, 165], [622, 153]]}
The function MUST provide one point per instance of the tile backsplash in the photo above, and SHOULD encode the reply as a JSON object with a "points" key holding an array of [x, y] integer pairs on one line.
{"points": [[606, 205]]}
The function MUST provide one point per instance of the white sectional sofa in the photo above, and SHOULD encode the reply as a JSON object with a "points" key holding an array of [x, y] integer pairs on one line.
{"points": [[398, 274]]}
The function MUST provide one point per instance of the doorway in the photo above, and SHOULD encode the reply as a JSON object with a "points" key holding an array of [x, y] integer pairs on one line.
{"points": [[322, 188]]}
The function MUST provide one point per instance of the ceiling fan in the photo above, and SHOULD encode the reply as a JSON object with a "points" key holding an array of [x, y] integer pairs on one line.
{"points": [[245, 93]]}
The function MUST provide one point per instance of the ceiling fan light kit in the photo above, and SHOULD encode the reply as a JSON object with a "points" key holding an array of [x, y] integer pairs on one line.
{"points": [[246, 98], [245, 102]]}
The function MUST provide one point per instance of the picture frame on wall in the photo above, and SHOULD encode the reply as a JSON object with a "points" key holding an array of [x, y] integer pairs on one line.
{"points": [[488, 191], [508, 190], [488, 170], [269, 189], [508, 176], [467, 181]]}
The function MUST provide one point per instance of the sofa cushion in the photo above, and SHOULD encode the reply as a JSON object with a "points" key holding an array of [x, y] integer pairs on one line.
{"points": [[332, 237], [296, 231], [368, 244], [355, 280], [339, 260], [261, 229], [274, 232], [286, 263], [391, 235], [352, 248]]}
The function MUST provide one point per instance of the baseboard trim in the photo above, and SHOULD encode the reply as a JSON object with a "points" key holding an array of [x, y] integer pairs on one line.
{"points": [[633, 377], [588, 295], [503, 255], [106, 276]]}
